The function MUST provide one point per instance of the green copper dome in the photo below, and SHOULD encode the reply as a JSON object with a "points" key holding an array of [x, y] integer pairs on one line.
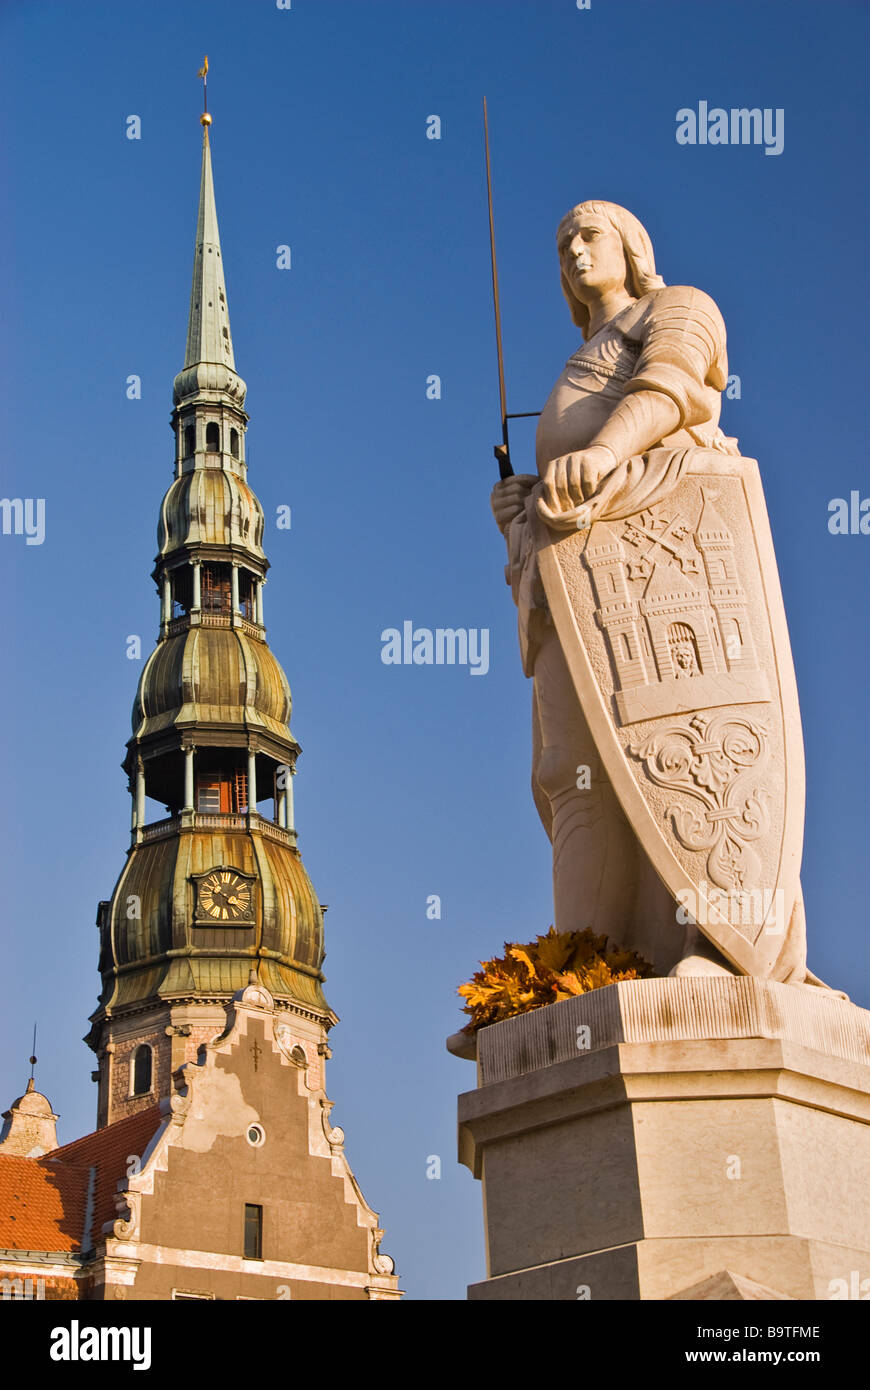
{"points": [[165, 951], [214, 675], [211, 506]]}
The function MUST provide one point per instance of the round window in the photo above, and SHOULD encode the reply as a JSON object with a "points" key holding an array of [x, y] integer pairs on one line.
{"points": [[256, 1136]]}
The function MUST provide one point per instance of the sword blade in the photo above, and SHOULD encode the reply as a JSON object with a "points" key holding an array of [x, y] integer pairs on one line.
{"points": [[502, 451]]}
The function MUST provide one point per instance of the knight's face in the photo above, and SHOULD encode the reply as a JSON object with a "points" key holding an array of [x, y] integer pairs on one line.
{"points": [[592, 256]]}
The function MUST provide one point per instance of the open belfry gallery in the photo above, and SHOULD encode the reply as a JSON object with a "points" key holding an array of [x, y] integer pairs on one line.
{"points": [[214, 1171]]}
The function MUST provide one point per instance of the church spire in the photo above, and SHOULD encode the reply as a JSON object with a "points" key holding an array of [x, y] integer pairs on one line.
{"points": [[208, 329], [217, 884], [209, 363]]}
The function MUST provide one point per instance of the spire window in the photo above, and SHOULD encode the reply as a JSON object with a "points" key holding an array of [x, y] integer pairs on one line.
{"points": [[142, 1070], [234, 440], [189, 441], [213, 437]]}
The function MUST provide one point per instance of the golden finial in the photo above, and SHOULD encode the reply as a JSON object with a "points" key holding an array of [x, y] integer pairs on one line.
{"points": [[205, 118]]}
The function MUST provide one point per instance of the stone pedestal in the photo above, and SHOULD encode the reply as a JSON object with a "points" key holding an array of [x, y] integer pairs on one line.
{"points": [[673, 1137]]}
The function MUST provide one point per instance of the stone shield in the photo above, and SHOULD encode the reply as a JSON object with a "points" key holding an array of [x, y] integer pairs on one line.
{"points": [[671, 618]]}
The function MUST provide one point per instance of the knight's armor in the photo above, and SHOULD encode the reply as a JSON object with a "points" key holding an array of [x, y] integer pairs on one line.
{"points": [[672, 341]]}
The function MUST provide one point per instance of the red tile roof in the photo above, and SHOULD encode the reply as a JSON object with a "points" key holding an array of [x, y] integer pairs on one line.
{"points": [[42, 1207], [44, 1201], [108, 1151]]}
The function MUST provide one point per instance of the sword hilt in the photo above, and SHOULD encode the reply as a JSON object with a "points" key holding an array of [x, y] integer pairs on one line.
{"points": [[504, 463]]}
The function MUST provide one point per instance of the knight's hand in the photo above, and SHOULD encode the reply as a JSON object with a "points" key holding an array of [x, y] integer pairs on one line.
{"points": [[571, 479], [508, 498]]}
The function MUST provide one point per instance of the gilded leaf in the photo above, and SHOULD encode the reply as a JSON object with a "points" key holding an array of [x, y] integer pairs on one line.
{"points": [[553, 967]]}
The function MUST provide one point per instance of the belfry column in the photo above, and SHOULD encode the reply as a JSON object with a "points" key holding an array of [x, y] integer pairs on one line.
{"points": [[188, 777]]}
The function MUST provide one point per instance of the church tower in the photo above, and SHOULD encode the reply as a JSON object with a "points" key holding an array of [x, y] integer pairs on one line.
{"points": [[214, 895], [727, 595], [215, 1171]]}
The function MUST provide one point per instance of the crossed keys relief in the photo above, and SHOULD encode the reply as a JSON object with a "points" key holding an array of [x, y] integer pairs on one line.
{"points": [[659, 538], [718, 760]]}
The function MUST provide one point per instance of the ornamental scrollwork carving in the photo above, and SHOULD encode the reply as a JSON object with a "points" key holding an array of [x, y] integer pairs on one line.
{"points": [[334, 1136], [128, 1204], [717, 760], [382, 1264]]}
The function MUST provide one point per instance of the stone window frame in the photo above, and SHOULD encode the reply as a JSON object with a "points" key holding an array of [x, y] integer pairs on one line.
{"points": [[133, 1094], [260, 1223]]}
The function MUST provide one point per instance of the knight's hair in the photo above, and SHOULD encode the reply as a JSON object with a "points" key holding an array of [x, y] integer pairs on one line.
{"points": [[640, 263]]}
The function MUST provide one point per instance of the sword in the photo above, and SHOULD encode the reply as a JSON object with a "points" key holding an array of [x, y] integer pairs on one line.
{"points": [[501, 451]]}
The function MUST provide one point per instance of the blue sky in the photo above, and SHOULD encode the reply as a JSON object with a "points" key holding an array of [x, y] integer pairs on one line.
{"points": [[413, 780]]}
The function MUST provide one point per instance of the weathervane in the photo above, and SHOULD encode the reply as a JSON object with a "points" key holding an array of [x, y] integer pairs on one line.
{"points": [[33, 1053], [205, 118]]}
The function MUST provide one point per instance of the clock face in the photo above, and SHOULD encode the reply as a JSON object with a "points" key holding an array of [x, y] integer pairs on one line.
{"points": [[225, 896]]}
